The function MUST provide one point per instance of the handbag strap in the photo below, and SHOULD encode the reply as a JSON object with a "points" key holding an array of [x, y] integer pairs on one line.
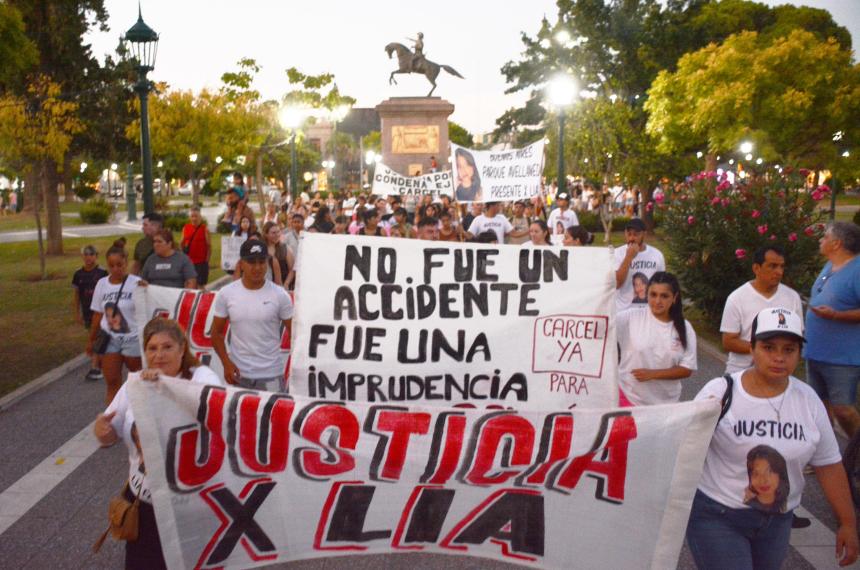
{"points": [[727, 396], [194, 233]]}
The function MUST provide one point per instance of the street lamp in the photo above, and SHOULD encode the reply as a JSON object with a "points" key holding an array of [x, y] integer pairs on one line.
{"points": [[746, 147], [291, 118], [336, 115], [192, 158], [144, 45], [561, 91]]}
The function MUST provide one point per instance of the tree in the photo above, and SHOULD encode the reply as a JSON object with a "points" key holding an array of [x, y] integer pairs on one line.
{"points": [[789, 97], [18, 53], [36, 131], [459, 135]]}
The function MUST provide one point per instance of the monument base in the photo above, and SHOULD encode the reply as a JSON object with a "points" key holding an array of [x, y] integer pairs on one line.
{"points": [[415, 131]]}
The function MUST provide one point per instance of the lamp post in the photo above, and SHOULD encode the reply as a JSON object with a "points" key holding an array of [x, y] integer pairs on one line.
{"points": [[192, 158], [336, 115], [291, 119], [144, 46], [561, 91]]}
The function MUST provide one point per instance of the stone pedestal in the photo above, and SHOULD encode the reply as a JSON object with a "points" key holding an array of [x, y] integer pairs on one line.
{"points": [[413, 130]]}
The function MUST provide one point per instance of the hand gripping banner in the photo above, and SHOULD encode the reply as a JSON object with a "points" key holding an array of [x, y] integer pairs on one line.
{"points": [[243, 478], [402, 320]]}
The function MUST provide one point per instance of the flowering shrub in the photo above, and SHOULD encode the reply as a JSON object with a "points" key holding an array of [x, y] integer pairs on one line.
{"points": [[713, 229]]}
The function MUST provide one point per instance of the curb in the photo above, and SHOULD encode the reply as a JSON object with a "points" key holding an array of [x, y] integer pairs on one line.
{"points": [[60, 371]]}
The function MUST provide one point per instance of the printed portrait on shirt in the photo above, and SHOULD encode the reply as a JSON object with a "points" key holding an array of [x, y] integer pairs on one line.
{"points": [[768, 480], [640, 288], [116, 322]]}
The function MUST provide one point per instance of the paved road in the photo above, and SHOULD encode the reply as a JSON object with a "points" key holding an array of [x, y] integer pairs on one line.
{"points": [[55, 485]]}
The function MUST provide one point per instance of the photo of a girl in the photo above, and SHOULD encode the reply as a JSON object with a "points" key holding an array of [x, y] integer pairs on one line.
{"points": [[116, 321], [640, 288], [768, 480], [468, 180]]}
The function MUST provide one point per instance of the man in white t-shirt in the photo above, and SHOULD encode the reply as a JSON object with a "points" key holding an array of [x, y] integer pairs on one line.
{"points": [[256, 309], [490, 220], [745, 302], [561, 218], [635, 263]]}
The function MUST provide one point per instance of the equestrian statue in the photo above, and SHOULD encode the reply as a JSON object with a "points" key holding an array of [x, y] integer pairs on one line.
{"points": [[415, 62]]}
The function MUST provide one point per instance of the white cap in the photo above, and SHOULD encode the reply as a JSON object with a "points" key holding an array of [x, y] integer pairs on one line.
{"points": [[776, 321]]}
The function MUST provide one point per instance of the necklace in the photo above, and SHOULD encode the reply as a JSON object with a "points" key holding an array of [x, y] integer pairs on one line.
{"points": [[779, 409]]}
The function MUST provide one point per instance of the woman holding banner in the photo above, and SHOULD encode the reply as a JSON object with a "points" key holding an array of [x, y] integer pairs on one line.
{"points": [[752, 479], [468, 179], [113, 333], [658, 346], [167, 354]]}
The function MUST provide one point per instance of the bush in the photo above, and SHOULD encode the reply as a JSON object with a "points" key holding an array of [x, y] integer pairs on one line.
{"points": [[85, 192], [712, 230], [224, 228], [95, 212], [175, 221], [161, 203], [856, 218], [591, 222]]}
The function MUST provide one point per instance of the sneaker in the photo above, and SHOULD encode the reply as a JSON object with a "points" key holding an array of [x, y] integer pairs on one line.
{"points": [[94, 374], [800, 522]]}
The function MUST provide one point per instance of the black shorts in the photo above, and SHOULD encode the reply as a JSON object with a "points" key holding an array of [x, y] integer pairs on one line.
{"points": [[202, 273]]}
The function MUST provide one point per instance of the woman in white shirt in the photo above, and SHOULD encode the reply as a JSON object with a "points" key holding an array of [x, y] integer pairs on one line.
{"points": [[539, 234], [771, 427], [658, 346], [167, 352]]}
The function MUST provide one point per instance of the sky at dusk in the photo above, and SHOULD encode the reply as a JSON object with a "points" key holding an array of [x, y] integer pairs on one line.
{"points": [[200, 40]]}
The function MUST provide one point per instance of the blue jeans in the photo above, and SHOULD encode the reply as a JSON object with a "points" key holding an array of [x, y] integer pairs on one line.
{"points": [[834, 383], [721, 538]]}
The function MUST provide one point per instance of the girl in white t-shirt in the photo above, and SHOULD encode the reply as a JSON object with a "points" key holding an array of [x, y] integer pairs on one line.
{"points": [[167, 352], [658, 346], [772, 426]]}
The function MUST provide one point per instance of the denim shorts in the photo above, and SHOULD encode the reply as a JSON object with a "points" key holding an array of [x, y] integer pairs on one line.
{"points": [[273, 384], [741, 539], [835, 383], [125, 345]]}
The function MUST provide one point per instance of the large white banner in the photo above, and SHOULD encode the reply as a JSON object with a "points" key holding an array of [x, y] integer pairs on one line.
{"points": [[242, 478], [387, 181], [192, 309], [394, 320], [497, 176], [230, 246]]}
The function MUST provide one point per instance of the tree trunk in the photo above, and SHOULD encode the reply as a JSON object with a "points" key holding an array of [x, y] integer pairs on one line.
{"points": [[50, 182], [68, 180], [36, 202], [711, 162]]}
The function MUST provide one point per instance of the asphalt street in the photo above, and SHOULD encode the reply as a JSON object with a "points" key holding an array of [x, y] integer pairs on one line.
{"points": [[55, 485]]}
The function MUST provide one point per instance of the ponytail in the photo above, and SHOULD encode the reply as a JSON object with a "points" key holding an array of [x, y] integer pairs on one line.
{"points": [[676, 311]]}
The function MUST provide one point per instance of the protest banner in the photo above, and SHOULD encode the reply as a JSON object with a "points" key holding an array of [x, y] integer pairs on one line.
{"points": [[387, 182], [242, 478], [497, 176], [192, 309], [230, 246], [449, 323]]}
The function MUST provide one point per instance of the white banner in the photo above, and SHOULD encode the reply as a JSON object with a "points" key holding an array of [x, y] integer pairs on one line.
{"points": [[387, 181], [230, 246], [497, 176], [242, 478], [192, 309], [392, 320]]}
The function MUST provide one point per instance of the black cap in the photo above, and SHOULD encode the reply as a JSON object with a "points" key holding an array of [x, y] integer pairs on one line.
{"points": [[562, 196], [253, 249], [635, 224]]}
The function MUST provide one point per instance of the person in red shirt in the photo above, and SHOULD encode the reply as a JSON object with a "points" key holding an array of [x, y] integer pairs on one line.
{"points": [[197, 245]]}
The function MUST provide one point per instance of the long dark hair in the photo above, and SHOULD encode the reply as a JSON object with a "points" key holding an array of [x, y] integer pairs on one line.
{"points": [[467, 156], [777, 464], [544, 228], [676, 311]]}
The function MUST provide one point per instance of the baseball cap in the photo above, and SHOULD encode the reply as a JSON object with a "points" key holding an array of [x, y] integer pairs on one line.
{"points": [[776, 321], [562, 196], [253, 249], [635, 224]]}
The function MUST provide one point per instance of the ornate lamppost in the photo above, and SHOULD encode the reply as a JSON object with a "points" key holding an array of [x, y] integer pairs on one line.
{"points": [[144, 45], [561, 92]]}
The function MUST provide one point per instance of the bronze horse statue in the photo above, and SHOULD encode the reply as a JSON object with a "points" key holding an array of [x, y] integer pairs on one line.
{"points": [[424, 66]]}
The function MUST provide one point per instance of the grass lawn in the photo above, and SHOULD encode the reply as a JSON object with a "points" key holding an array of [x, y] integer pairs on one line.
{"points": [[848, 200], [40, 331]]}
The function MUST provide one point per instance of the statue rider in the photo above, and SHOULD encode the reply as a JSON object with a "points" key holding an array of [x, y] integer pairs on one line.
{"points": [[418, 47]]}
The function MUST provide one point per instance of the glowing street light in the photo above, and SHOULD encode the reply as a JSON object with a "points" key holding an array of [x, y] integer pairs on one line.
{"points": [[699, 154], [748, 157], [83, 167], [192, 157], [291, 118], [746, 147], [218, 160], [561, 92]]}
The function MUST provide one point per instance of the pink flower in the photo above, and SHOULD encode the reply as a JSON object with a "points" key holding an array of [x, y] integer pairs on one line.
{"points": [[792, 236], [762, 229], [724, 185], [649, 206], [725, 201], [740, 253], [809, 230], [824, 188], [755, 214], [772, 237], [715, 200], [691, 220], [710, 174], [804, 171], [816, 195], [781, 193], [659, 198]]}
